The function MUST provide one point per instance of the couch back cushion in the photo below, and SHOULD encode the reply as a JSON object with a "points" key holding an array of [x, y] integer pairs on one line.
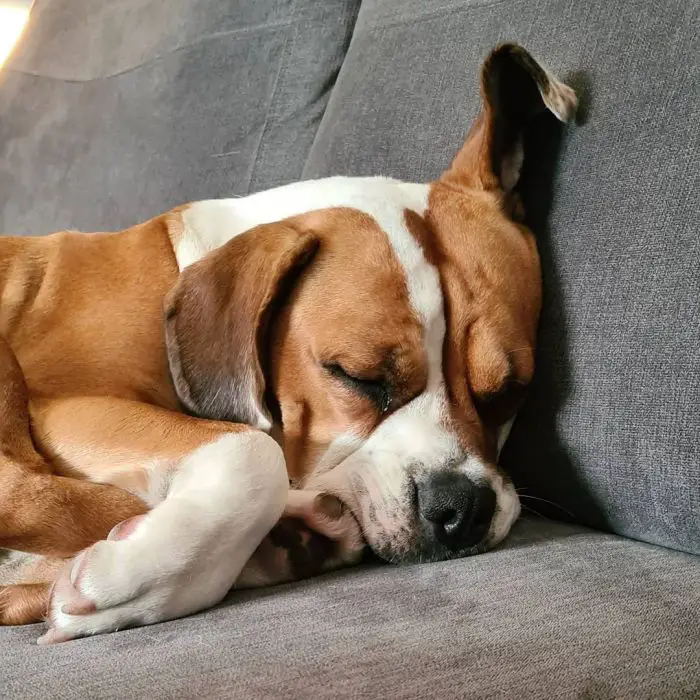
{"points": [[111, 112], [610, 432]]}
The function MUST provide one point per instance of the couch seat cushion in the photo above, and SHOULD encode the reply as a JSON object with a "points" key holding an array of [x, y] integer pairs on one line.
{"points": [[559, 612]]}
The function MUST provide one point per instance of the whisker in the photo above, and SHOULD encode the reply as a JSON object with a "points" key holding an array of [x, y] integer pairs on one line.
{"points": [[535, 512], [551, 503]]}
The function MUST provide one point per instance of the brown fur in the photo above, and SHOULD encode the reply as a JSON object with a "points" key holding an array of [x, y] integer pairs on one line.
{"points": [[489, 272], [82, 356], [66, 296]]}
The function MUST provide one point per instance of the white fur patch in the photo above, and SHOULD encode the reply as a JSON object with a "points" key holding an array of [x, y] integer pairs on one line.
{"points": [[188, 551], [211, 223]]}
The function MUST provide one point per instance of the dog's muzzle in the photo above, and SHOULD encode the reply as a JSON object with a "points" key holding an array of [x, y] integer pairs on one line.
{"points": [[431, 514]]}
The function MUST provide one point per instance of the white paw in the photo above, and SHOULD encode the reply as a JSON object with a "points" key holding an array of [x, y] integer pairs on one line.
{"points": [[186, 553], [124, 581]]}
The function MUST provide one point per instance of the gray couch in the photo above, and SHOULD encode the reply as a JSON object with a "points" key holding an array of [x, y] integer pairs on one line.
{"points": [[113, 111]]}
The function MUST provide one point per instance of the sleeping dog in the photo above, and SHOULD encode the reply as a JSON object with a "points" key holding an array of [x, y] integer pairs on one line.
{"points": [[245, 391]]}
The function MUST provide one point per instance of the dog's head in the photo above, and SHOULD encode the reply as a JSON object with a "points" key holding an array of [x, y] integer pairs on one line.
{"points": [[385, 332]]}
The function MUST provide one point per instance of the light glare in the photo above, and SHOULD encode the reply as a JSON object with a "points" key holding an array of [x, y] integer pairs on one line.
{"points": [[13, 17]]}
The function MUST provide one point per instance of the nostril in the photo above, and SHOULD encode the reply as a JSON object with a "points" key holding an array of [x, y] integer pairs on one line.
{"points": [[484, 508], [440, 514], [444, 505], [452, 521], [445, 516]]}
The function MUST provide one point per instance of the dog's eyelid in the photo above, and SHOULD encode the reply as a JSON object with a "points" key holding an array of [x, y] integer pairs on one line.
{"points": [[376, 390], [338, 370]]}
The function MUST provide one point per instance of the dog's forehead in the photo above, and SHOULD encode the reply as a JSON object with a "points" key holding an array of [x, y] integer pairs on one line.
{"points": [[384, 203], [209, 224]]}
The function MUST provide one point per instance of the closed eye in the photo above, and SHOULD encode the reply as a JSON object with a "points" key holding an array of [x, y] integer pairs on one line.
{"points": [[376, 390]]}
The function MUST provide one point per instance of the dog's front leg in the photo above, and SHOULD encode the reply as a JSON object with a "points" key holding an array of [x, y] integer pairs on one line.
{"points": [[40, 512], [184, 555]]}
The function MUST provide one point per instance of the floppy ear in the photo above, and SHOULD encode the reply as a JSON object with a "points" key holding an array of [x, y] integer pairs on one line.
{"points": [[217, 319], [514, 89]]}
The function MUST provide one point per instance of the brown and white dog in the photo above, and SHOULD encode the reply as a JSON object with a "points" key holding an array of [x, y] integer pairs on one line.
{"points": [[349, 352]]}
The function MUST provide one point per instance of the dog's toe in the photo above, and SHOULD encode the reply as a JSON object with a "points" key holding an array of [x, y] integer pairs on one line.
{"points": [[91, 591]]}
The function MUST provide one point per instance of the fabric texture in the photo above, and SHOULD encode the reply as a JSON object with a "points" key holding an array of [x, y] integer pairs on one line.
{"points": [[560, 612], [609, 431], [111, 113]]}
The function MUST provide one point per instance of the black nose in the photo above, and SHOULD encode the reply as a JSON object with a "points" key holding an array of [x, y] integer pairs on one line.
{"points": [[457, 511]]}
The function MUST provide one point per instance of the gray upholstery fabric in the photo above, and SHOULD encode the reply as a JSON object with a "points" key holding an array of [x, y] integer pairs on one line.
{"points": [[610, 431], [111, 112], [561, 612]]}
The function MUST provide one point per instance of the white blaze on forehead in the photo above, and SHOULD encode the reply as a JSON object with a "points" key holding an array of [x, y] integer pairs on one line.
{"points": [[211, 223]]}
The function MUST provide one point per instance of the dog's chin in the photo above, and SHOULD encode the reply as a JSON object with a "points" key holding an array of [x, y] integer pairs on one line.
{"points": [[417, 555], [403, 552]]}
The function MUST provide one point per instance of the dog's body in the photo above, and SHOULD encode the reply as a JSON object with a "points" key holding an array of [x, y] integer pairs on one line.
{"points": [[361, 339]]}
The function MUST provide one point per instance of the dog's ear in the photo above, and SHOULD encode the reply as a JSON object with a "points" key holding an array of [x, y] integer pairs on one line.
{"points": [[217, 319], [514, 89]]}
